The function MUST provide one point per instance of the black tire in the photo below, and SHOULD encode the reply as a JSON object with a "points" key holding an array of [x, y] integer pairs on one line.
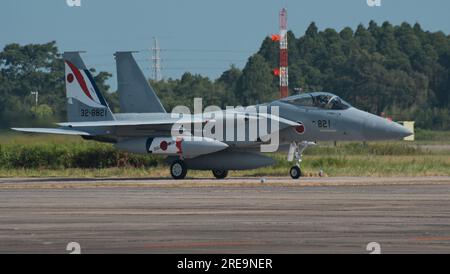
{"points": [[295, 172], [220, 174], [178, 170]]}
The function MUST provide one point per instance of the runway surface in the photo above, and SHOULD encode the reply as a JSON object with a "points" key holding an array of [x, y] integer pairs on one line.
{"points": [[239, 215]]}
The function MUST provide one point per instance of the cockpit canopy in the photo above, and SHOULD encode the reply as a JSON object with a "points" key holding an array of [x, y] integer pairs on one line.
{"points": [[322, 100]]}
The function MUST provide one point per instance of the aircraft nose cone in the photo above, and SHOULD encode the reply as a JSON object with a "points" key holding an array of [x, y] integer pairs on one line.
{"points": [[378, 128], [400, 131]]}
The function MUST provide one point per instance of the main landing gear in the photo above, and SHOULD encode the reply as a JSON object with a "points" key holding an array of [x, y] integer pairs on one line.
{"points": [[220, 174], [178, 170], [295, 153]]}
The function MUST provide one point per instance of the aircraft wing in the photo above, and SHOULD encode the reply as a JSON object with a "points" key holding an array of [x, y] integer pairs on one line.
{"points": [[282, 121], [279, 119], [163, 124], [118, 123], [53, 131]]}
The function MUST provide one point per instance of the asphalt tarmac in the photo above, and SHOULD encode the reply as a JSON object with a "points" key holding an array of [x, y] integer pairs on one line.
{"points": [[239, 215]]}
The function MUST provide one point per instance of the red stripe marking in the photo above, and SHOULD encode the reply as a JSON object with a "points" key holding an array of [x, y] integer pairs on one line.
{"points": [[178, 145], [80, 79]]}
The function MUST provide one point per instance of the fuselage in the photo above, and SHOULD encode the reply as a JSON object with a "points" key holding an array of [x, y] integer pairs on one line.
{"points": [[334, 120]]}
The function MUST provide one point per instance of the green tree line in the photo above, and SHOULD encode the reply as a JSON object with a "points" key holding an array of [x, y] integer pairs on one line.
{"points": [[31, 68], [403, 71]]}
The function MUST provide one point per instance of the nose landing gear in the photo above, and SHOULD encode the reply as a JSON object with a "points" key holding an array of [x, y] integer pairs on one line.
{"points": [[295, 172], [296, 152]]}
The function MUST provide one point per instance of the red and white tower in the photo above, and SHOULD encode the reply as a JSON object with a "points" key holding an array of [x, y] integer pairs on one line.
{"points": [[283, 71]]}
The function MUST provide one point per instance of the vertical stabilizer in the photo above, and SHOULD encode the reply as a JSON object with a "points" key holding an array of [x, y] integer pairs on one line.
{"points": [[135, 93], [84, 100]]}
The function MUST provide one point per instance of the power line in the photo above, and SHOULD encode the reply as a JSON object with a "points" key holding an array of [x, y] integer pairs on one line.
{"points": [[205, 50], [189, 68], [202, 60], [145, 60], [112, 66]]}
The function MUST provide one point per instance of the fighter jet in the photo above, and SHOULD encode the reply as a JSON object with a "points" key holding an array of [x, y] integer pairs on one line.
{"points": [[145, 127]]}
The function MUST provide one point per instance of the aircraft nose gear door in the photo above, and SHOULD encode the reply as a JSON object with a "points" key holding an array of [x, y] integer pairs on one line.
{"points": [[296, 152]]}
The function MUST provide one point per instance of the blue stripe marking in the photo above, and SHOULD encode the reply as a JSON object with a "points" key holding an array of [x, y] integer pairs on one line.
{"points": [[99, 95]]}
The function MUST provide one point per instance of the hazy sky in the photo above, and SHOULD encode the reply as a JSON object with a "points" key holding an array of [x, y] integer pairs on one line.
{"points": [[201, 36]]}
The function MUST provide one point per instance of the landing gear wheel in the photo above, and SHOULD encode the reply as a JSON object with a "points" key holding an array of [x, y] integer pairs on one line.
{"points": [[220, 174], [295, 172], [178, 170]]}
